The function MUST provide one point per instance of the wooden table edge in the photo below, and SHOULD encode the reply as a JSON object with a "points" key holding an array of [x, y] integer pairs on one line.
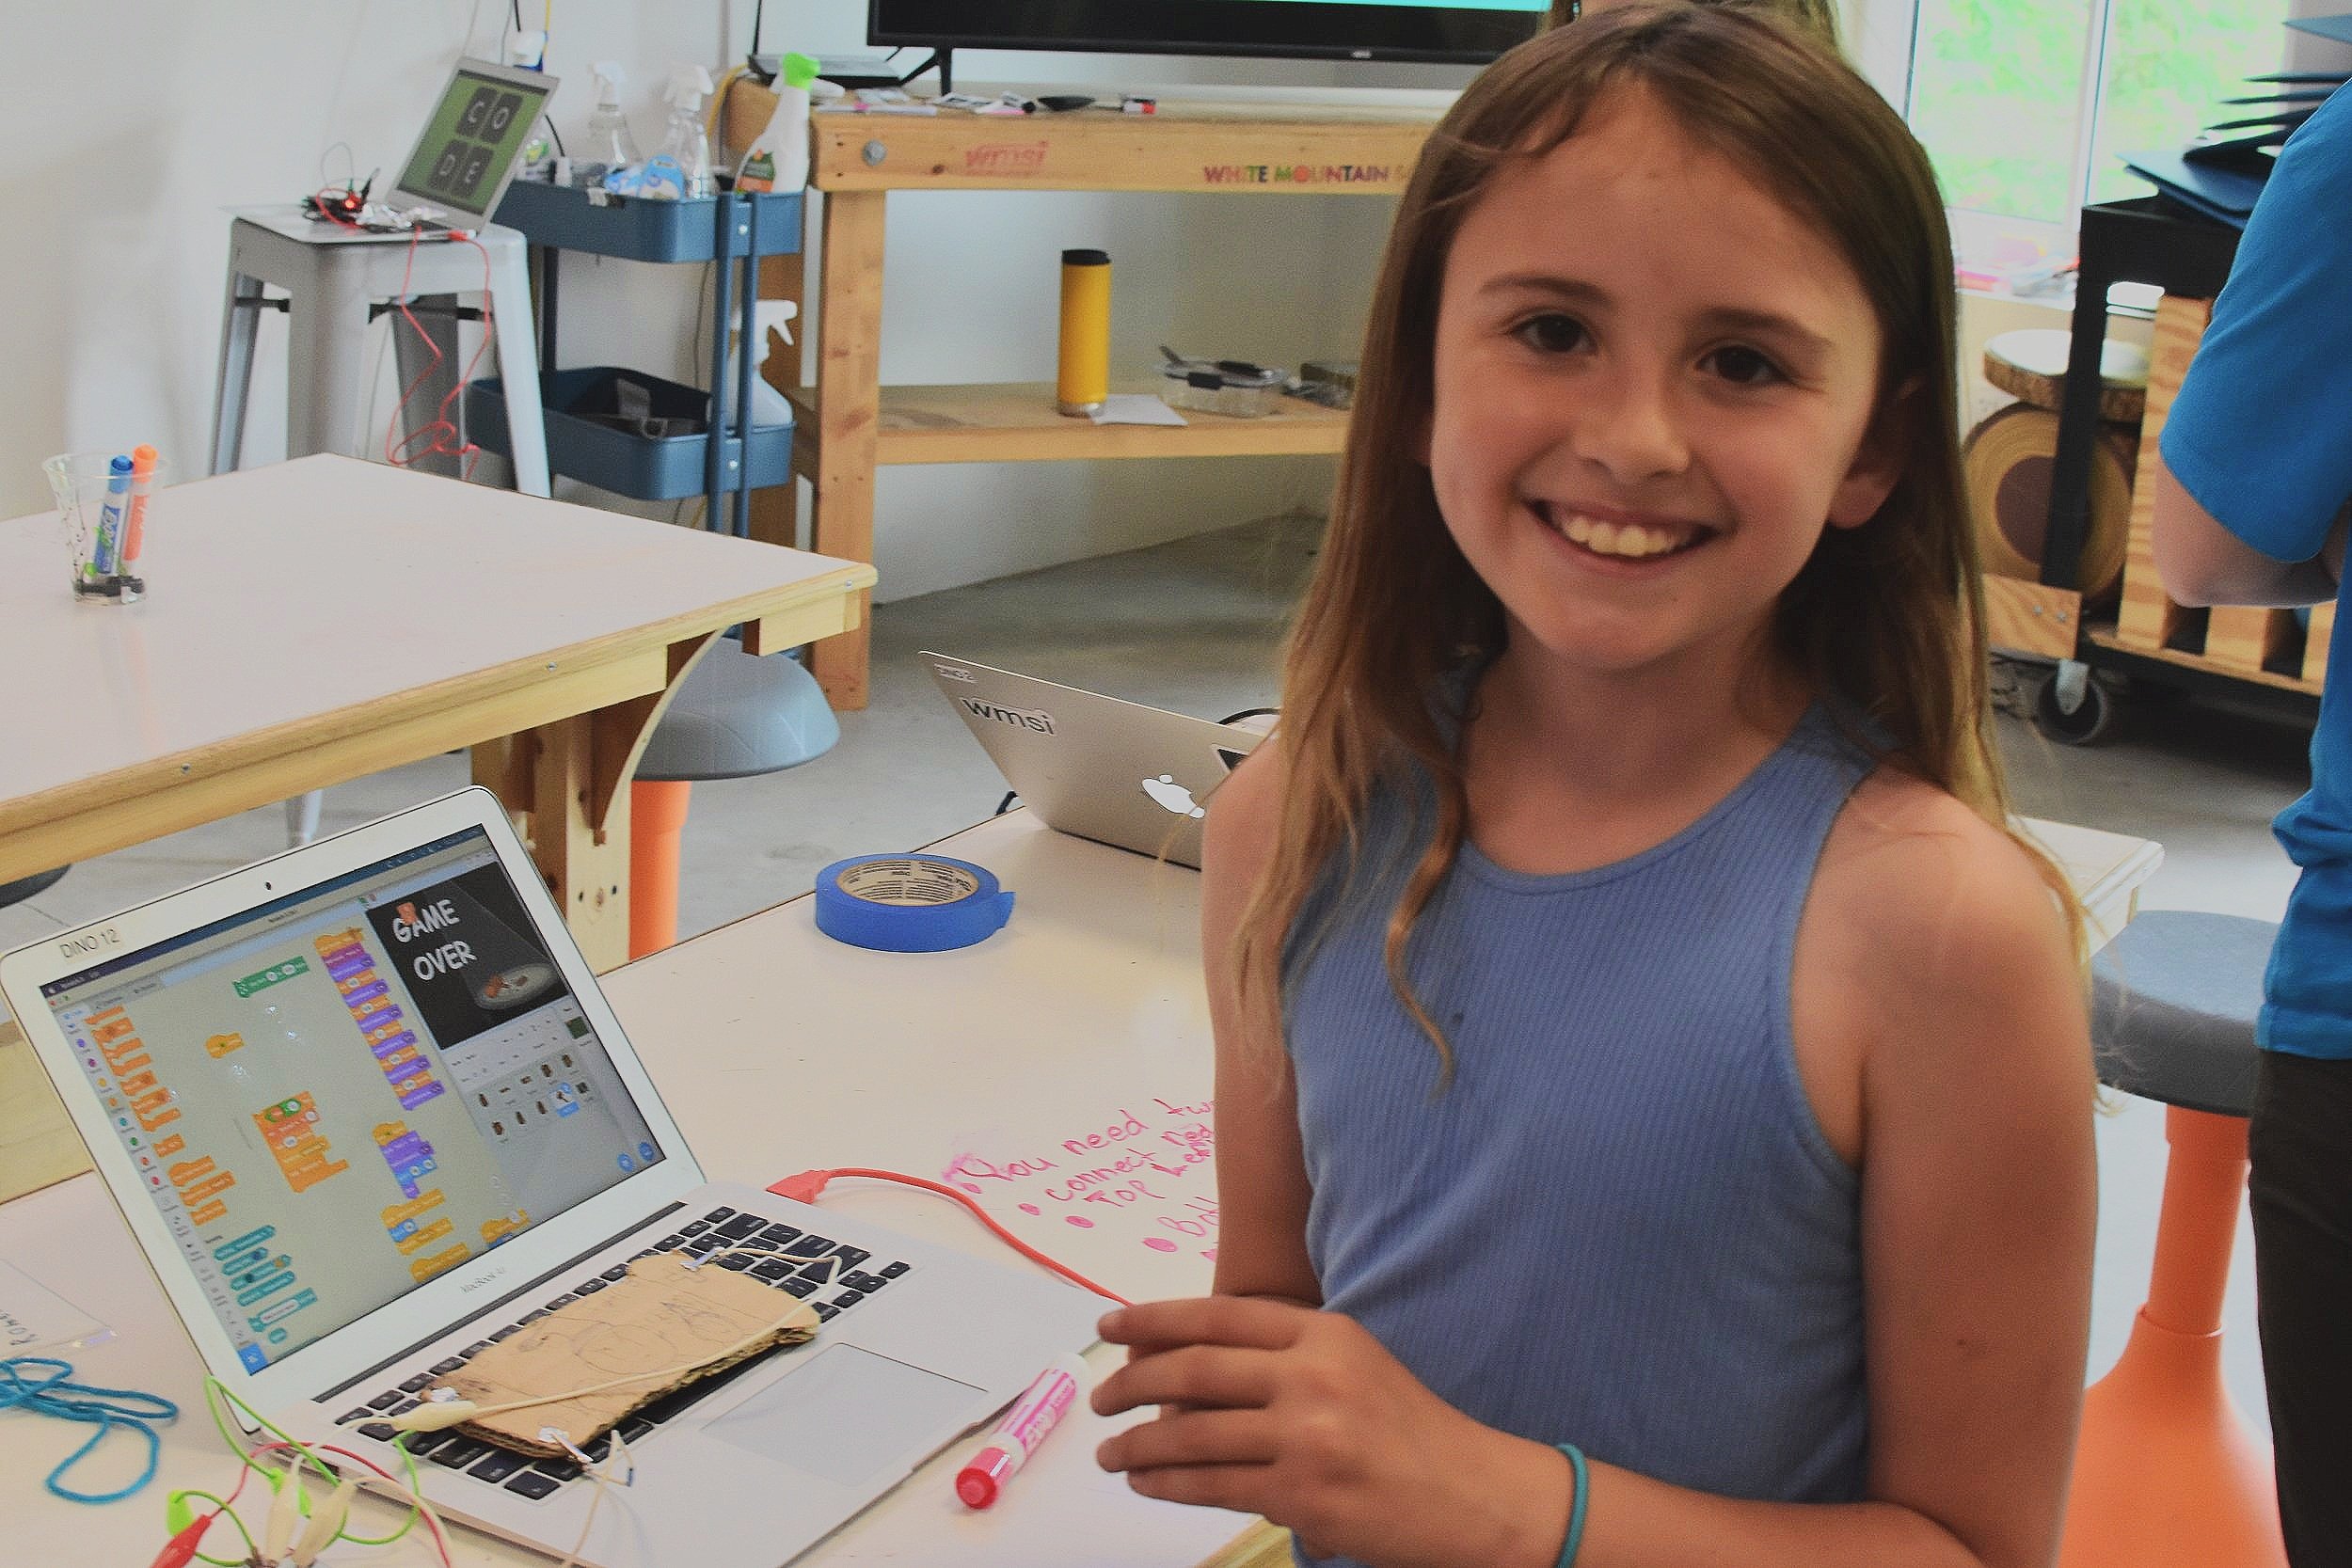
{"points": [[1261, 1545], [30, 813]]}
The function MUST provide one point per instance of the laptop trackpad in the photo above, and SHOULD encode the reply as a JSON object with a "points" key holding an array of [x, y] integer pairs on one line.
{"points": [[847, 1413]]}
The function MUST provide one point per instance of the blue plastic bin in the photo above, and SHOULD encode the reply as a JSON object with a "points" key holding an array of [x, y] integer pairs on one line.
{"points": [[594, 222], [658, 469]]}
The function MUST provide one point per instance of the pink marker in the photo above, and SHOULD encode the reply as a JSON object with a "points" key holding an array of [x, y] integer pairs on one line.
{"points": [[1035, 1414]]}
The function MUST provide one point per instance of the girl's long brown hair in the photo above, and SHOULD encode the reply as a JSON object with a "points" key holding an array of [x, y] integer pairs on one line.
{"points": [[1888, 616]]}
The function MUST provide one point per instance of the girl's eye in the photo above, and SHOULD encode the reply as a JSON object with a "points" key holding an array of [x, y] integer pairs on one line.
{"points": [[1744, 367], [1551, 333]]}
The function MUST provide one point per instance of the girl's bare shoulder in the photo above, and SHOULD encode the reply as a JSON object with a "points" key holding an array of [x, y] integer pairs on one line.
{"points": [[1922, 897], [1245, 812]]}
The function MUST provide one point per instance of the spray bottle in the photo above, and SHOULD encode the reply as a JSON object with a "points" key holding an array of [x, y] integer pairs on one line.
{"points": [[778, 159], [681, 170], [611, 149]]}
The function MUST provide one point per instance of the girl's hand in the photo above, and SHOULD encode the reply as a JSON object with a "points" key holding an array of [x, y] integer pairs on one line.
{"points": [[1303, 1417]]}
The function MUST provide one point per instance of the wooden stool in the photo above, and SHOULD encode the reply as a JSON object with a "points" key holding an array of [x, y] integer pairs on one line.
{"points": [[733, 717], [2166, 1473], [2009, 457]]}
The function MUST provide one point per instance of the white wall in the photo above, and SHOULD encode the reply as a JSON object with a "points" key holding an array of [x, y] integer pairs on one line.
{"points": [[129, 128]]}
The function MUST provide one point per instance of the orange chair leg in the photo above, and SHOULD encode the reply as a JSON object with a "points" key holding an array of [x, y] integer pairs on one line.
{"points": [[2166, 1473], [657, 815]]}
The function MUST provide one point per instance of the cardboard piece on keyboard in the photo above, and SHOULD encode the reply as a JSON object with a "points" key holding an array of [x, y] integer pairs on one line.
{"points": [[658, 1316]]}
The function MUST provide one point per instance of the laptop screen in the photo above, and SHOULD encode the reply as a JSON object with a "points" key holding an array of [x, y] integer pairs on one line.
{"points": [[338, 1094], [474, 135]]}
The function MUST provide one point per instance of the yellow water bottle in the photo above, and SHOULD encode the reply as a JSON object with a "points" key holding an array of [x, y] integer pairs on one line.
{"points": [[1086, 332]]}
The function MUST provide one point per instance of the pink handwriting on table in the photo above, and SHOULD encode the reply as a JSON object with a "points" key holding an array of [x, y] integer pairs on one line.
{"points": [[1143, 1171]]}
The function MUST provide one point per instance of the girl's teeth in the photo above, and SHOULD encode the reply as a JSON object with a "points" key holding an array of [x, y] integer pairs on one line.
{"points": [[1629, 540]]}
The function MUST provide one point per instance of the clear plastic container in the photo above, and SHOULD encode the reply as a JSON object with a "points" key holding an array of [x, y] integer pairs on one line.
{"points": [[1229, 387], [105, 504]]}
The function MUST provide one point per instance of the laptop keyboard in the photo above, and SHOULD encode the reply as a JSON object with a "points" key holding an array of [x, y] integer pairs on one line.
{"points": [[832, 1276]]}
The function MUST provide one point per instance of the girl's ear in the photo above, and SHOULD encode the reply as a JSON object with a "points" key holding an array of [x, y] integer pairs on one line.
{"points": [[1879, 464]]}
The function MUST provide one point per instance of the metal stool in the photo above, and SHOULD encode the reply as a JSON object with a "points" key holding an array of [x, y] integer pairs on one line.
{"points": [[2166, 1472], [336, 282], [733, 717]]}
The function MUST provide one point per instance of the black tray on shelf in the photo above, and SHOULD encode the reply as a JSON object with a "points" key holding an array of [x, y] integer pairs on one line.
{"points": [[577, 217], [655, 468]]}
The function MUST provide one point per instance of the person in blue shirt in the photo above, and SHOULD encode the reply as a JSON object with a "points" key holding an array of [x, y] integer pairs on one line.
{"points": [[2250, 509]]}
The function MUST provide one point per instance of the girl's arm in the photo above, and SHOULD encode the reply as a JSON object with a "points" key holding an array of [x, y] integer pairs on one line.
{"points": [[1972, 1096], [1942, 956], [1260, 1172]]}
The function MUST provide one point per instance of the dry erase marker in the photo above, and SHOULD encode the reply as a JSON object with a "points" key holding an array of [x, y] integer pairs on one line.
{"points": [[135, 522], [1035, 1414], [105, 560]]}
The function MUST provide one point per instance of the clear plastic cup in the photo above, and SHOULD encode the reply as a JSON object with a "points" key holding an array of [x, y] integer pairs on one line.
{"points": [[106, 516]]}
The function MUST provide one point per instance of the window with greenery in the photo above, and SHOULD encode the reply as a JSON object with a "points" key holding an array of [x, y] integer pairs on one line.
{"points": [[2026, 105]]}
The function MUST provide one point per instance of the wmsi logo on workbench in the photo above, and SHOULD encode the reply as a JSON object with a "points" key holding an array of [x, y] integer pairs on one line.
{"points": [[1035, 718]]}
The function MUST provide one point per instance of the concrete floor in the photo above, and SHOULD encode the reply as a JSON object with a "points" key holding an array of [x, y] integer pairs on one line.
{"points": [[1192, 625]]}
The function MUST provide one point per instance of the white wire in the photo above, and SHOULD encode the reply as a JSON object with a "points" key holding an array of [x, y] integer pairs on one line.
{"points": [[375, 377], [588, 1521]]}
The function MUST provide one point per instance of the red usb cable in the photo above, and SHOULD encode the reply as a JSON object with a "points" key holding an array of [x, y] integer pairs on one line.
{"points": [[439, 437], [804, 1187]]}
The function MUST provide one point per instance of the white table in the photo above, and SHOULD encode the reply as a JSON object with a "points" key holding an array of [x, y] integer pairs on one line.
{"points": [[778, 1050], [323, 619]]}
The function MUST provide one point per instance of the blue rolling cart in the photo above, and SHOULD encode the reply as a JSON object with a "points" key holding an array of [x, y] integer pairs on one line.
{"points": [[724, 454]]}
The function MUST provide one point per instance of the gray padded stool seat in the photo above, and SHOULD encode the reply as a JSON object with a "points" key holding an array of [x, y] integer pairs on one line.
{"points": [[25, 887], [736, 716], [2173, 1001]]}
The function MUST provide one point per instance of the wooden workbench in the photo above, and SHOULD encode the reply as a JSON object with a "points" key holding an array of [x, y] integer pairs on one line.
{"points": [[849, 424]]}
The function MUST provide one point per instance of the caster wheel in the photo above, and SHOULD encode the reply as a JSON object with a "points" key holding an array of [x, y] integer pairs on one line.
{"points": [[2089, 722]]}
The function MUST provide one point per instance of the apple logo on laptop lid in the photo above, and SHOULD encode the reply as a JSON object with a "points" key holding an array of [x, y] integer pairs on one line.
{"points": [[1171, 797]]}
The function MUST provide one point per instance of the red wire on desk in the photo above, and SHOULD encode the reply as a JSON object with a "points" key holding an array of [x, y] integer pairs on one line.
{"points": [[328, 203], [804, 1187]]}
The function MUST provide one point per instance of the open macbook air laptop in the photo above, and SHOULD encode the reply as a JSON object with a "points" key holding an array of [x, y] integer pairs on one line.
{"points": [[1117, 772], [467, 156], [366, 1111], [462, 163]]}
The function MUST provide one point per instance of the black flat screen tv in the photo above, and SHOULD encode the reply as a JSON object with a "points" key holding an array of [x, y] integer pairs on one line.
{"points": [[1471, 31]]}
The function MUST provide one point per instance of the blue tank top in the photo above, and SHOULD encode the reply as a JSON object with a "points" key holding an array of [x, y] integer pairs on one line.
{"points": [[1619, 1225]]}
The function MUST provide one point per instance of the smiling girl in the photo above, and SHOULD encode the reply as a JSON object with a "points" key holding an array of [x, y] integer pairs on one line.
{"points": [[1653, 1083]]}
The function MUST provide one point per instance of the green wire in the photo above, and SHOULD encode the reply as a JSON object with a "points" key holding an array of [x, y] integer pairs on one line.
{"points": [[221, 1505], [221, 1422]]}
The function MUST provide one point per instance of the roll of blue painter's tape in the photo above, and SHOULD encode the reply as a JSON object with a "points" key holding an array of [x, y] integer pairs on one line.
{"points": [[910, 903]]}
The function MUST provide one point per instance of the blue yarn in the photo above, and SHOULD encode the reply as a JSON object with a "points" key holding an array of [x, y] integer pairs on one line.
{"points": [[56, 1395]]}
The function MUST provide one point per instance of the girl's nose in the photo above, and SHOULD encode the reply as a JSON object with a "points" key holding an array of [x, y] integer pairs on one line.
{"points": [[1631, 430]]}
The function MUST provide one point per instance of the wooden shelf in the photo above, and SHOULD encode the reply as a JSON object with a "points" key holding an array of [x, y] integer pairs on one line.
{"points": [[1014, 421], [1259, 149], [853, 427], [2106, 637]]}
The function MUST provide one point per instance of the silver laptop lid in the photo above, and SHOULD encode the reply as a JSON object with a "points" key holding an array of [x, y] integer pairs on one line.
{"points": [[463, 162], [1117, 772], [349, 1095]]}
